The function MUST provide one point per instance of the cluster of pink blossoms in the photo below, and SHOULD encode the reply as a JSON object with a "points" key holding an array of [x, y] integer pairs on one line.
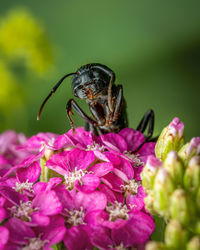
{"points": [[77, 190]]}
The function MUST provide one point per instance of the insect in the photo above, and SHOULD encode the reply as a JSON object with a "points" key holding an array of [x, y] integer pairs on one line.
{"points": [[95, 83]]}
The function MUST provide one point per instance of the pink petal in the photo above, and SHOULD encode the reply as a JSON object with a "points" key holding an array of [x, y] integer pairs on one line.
{"points": [[132, 137], [40, 219], [111, 195], [91, 201], [48, 203], [88, 183], [79, 159], [147, 149], [101, 169], [30, 173], [113, 182], [114, 142], [4, 233], [19, 231], [58, 163], [77, 238], [65, 197], [139, 228]]}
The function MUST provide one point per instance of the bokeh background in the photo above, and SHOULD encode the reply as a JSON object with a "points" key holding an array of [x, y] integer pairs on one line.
{"points": [[152, 46]]}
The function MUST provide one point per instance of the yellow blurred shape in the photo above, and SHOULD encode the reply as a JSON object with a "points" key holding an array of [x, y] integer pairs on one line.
{"points": [[10, 94], [21, 35]]}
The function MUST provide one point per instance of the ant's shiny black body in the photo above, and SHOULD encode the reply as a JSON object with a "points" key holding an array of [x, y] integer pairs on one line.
{"points": [[95, 83]]}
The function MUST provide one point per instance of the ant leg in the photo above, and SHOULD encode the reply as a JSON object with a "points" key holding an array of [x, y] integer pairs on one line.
{"points": [[72, 104], [90, 127], [118, 103], [148, 119]]}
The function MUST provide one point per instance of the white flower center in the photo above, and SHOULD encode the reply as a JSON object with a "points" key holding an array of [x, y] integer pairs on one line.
{"points": [[117, 210], [120, 247], [95, 146], [75, 217], [23, 211], [134, 158], [35, 243], [71, 177], [131, 187], [24, 185]]}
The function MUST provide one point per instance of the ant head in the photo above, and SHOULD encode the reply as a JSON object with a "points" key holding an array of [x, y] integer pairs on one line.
{"points": [[91, 80]]}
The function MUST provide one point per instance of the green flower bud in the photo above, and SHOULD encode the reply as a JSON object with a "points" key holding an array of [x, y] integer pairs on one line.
{"points": [[162, 190], [198, 199], [189, 150], [152, 245], [196, 227], [176, 236], [194, 244], [181, 207], [192, 175], [149, 172], [174, 167], [171, 138], [149, 201]]}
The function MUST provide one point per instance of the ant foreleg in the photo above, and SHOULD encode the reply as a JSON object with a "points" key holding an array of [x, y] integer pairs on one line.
{"points": [[118, 103], [90, 127], [147, 120], [72, 104]]}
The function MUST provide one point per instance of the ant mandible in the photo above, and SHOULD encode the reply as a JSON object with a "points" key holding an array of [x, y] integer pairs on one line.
{"points": [[95, 83]]}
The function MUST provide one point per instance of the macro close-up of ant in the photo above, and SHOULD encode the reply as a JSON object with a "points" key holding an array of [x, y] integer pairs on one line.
{"points": [[95, 83]]}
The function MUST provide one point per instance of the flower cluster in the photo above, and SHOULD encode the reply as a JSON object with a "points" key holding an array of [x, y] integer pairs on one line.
{"points": [[78, 191], [172, 184]]}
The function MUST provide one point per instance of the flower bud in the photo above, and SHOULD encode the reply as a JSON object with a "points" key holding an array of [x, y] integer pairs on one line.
{"points": [[176, 236], [194, 243], [189, 150], [174, 167], [162, 190], [152, 245], [171, 138], [198, 199], [149, 172], [192, 175], [149, 201], [181, 207]]}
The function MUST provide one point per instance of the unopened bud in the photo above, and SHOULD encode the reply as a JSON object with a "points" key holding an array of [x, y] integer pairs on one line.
{"points": [[171, 138], [175, 167], [181, 207], [162, 190], [149, 201], [152, 245], [198, 199], [176, 236], [189, 150], [149, 172], [192, 175], [194, 243]]}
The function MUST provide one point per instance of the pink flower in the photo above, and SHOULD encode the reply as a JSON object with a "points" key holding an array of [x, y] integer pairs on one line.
{"points": [[91, 191]]}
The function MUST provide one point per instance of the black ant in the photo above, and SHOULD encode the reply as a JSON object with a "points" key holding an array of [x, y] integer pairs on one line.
{"points": [[95, 83]]}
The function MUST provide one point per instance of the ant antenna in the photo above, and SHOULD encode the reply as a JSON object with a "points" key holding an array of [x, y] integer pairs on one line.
{"points": [[52, 91]]}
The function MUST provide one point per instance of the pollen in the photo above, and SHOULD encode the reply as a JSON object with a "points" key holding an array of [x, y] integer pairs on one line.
{"points": [[23, 211], [117, 211], [71, 177], [134, 158], [35, 243], [131, 187], [24, 185], [75, 217], [95, 146]]}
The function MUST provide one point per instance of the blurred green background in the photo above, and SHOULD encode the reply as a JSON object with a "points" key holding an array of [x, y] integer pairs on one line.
{"points": [[152, 46]]}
